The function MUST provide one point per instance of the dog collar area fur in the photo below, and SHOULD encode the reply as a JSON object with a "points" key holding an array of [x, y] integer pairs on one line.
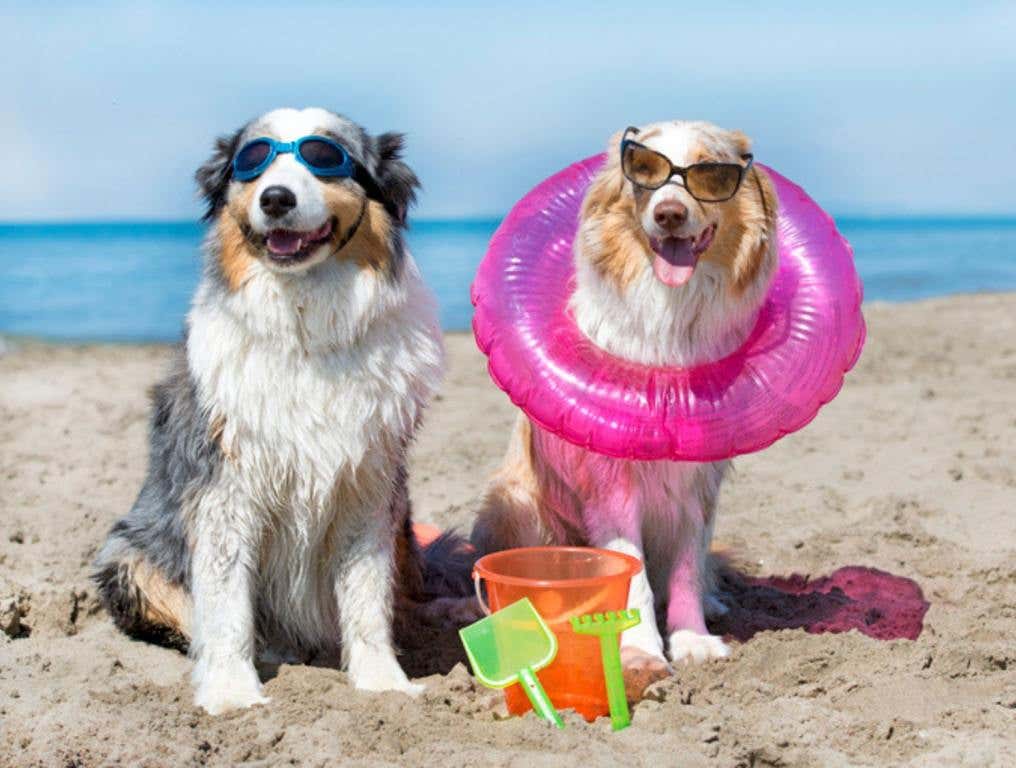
{"points": [[356, 225]]}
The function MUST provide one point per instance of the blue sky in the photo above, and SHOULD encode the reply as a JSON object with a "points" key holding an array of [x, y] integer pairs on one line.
{"points": [[108, 108]]}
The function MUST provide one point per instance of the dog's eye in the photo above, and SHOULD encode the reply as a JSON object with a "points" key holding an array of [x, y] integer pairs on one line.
{"points": [[321, 154], [252, 155]]}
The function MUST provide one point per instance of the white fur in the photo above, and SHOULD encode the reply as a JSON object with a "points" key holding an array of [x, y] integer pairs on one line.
{"points": [[311, 210], [655, 324], [665, 518], [678, 140], [318, 379]]}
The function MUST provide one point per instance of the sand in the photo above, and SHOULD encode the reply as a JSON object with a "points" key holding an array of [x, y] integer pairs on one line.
{"points": [[911, 470]]}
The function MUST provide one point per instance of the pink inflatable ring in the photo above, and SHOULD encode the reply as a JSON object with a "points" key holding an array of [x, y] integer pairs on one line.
{"points": [[809, 334]]}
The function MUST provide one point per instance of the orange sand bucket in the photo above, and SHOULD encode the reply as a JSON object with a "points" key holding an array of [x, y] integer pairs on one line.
{"points": [[561, 582]]}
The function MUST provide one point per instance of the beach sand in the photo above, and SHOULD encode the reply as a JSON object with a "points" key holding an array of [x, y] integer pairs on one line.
{"points": [[911, 470]]}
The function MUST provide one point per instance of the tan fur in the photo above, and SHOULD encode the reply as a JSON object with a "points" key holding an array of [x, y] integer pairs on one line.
{"points": [[619, 248], [549, 491], [643, 135], [369, 244], [408, 569], [163, 604], [509, 512], [216, 434], [235, 256], [615, 247], [371, 240], [741, 237], [515, 511]]}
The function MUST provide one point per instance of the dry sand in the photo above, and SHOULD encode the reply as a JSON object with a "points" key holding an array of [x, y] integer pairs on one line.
{"points": [[910, 470]]}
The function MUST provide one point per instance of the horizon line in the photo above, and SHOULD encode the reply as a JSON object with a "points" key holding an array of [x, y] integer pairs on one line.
{"points": [[978, 218]]}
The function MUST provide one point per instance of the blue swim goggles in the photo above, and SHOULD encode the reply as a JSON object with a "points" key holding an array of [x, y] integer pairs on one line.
{"points": [[319, 154]]}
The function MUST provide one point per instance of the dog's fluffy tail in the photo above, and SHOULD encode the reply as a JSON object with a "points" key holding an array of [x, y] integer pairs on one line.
{"points": [[448, 566]]}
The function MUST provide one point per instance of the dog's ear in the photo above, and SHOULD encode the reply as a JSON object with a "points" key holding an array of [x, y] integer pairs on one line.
{"points": [[213, 177], [740, 141], [758, 249], [606, 187], [397, 181], [614, 147]]}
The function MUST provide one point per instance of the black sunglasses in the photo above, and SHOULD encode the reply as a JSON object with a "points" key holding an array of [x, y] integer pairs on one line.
{"points": [[706, 182]]}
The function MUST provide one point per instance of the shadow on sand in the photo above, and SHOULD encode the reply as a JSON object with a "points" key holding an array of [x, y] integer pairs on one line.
{"points": [[875, 603]]}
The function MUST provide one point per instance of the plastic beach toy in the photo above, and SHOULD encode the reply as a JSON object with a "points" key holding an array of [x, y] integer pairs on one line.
{"points": [[608, 628], [562, 583], [809, 333], [509, 647]]}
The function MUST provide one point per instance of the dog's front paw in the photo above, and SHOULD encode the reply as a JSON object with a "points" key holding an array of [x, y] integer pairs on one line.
{"points": [[689, 646], [381, 672], [642, 669], [223, 687]]}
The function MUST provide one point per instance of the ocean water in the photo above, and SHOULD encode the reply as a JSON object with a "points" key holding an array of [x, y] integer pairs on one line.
{"points": [[129, 281]]}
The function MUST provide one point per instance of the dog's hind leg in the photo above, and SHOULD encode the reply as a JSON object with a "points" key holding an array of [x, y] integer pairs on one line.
{"points": [[509, 515], [142, 569], [143, 602]]}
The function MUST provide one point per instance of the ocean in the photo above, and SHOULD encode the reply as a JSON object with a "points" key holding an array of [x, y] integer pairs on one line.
{"points": [[132, 281]]}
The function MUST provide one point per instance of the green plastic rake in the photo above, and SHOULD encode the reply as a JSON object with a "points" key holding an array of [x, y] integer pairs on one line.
{"points": [[608, 626]]}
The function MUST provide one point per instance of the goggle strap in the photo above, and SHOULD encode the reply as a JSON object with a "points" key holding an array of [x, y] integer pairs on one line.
{"points": [[373, 190], [352, 230]]}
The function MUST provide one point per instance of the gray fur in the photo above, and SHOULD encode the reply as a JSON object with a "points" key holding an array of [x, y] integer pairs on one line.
{"points": [[448, 566], [183, 459], [214, 176], [396, 179], [380, 156]]}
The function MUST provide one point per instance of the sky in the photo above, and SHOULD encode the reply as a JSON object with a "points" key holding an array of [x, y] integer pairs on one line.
{"points": [[107, 108]]}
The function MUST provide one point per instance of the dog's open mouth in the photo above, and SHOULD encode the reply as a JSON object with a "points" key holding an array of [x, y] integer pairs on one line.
{"points": [[290, 246], [676, 257]]}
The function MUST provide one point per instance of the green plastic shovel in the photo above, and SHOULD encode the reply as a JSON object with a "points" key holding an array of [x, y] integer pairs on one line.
{"points": [[509, 647], [608, 626]]}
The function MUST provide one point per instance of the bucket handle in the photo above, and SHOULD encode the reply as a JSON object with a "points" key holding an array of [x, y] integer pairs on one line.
{"points": [[479, 595]]}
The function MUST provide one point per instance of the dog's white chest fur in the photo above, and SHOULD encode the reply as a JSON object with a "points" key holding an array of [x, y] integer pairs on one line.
{"points": [[299, 401], [314, 400]]}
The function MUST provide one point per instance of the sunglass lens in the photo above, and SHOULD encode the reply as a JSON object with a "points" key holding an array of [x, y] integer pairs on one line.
{"points": [[322, 155], [713, 181], [645, 167], [252, 155]]}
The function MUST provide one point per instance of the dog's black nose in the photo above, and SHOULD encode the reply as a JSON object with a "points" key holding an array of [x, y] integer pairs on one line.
{"points": [[670, 214], [277, 201]]}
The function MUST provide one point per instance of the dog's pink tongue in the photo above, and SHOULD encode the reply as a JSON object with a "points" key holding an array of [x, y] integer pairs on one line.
{"points": [[675, 261], [284, 241]]}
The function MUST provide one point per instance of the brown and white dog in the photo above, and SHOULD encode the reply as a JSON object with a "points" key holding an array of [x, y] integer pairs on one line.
{"points": [[275, 515], [662, 279]]}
